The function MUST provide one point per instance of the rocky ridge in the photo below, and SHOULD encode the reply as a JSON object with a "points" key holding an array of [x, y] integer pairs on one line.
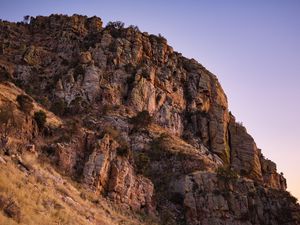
{"points": [[135, 122]]}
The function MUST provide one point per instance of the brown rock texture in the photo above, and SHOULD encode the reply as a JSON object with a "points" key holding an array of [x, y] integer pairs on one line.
{"points": [[135, 122]]}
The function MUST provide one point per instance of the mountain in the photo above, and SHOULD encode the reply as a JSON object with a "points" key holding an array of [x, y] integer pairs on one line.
{"points": [[109, 125]]}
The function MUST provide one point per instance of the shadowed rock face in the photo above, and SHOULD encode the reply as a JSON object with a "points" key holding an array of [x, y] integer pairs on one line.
{"points": [[100, 79]]}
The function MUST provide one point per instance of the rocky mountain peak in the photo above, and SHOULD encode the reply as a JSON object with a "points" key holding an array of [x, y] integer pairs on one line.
{"points": [[135, 122]]}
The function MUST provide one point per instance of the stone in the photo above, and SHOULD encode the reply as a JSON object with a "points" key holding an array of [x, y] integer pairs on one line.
{"points": [[125, 187], [245, 156], [85, 57], [2, 160], [96, 169], [170, 166]]}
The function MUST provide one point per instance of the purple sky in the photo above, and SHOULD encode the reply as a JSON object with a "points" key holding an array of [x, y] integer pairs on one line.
{"points": [[253, 47]]}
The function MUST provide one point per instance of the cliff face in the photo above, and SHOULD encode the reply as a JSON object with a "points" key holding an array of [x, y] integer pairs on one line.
{"points": [[139, 123]]}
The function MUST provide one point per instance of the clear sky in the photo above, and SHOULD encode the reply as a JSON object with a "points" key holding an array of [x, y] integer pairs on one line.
{"points": [[252, 46]]}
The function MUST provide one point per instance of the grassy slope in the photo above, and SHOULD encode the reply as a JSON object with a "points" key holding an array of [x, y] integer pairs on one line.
{"points": [[45, 198]]}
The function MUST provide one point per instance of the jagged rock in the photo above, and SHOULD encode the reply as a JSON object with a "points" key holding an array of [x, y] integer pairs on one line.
{"points": [[115, 176], [143, 96], [245, 157], [208, 199], [34, 55], [95, 24], [270, 176], [91, 80], [125, 187], [85, 57], [96, 169], [102, 78]]}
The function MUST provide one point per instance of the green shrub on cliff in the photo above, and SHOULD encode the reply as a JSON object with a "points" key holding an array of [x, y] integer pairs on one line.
{"points": [[25, 103], [40, 118], [226, 173]]}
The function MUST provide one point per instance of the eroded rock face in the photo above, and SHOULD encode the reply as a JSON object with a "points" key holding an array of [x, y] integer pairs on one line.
{"points": [[115, 176], [209, 199], [101, 78], [270, 176], [245, 157], [125, 187], [97, 168]]}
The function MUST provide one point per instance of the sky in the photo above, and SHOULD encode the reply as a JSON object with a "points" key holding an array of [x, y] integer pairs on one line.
{"points": [[252, 46]]}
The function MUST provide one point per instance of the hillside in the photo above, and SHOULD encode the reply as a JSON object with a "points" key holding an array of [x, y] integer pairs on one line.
{"points": [[109, 125]]}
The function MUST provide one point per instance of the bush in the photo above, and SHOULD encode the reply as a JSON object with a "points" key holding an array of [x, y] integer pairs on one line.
{"points": [[6, 114], [78, 105], [142, 119], [162, 39], [78, 71], [159, 149], [58, 107], [123, 151], [141, 161], [112, 132], [177, 198], [226, 173], [4, 75], [10, 208], [115, 28], [135, 28], [116, 24], [7, 122], [40, 118], [116, 135], [291, 198], [130, 68], [25, 103]]}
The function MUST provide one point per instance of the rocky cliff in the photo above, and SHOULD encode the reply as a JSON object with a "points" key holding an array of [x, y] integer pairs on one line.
{"points": [[135, 122]]}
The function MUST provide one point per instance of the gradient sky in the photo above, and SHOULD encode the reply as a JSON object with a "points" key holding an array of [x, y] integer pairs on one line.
{"points": [[253, 47]]}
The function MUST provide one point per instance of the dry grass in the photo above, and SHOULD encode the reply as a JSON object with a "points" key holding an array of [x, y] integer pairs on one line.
{"points": [[11, 92], [47, 198]]}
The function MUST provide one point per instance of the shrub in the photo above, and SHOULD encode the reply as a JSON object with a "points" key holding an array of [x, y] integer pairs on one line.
{"points": [[290, 197], [113, 46], [162, 39], [226, 173], [78, 105], [40, 118], [107, 109], [25, 103], [6, 114], [135, 28], [4, 75], [49, 150], [177, 198], [145, 74], [78, 71], [7, 122], [113, 133], [159, 149], [123, 151], [130, 68], [58, 107], [117, 136], [141, 161], [142, 119], [116, 24], [244, 172], [43, 100], [13, 211], [115, 28]]}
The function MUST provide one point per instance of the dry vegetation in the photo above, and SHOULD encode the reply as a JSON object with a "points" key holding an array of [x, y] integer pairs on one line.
{"points": [[44, 197]]}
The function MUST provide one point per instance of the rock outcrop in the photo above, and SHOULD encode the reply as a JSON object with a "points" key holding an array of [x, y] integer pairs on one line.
{"points": [[209, 199], [136, 123]]}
